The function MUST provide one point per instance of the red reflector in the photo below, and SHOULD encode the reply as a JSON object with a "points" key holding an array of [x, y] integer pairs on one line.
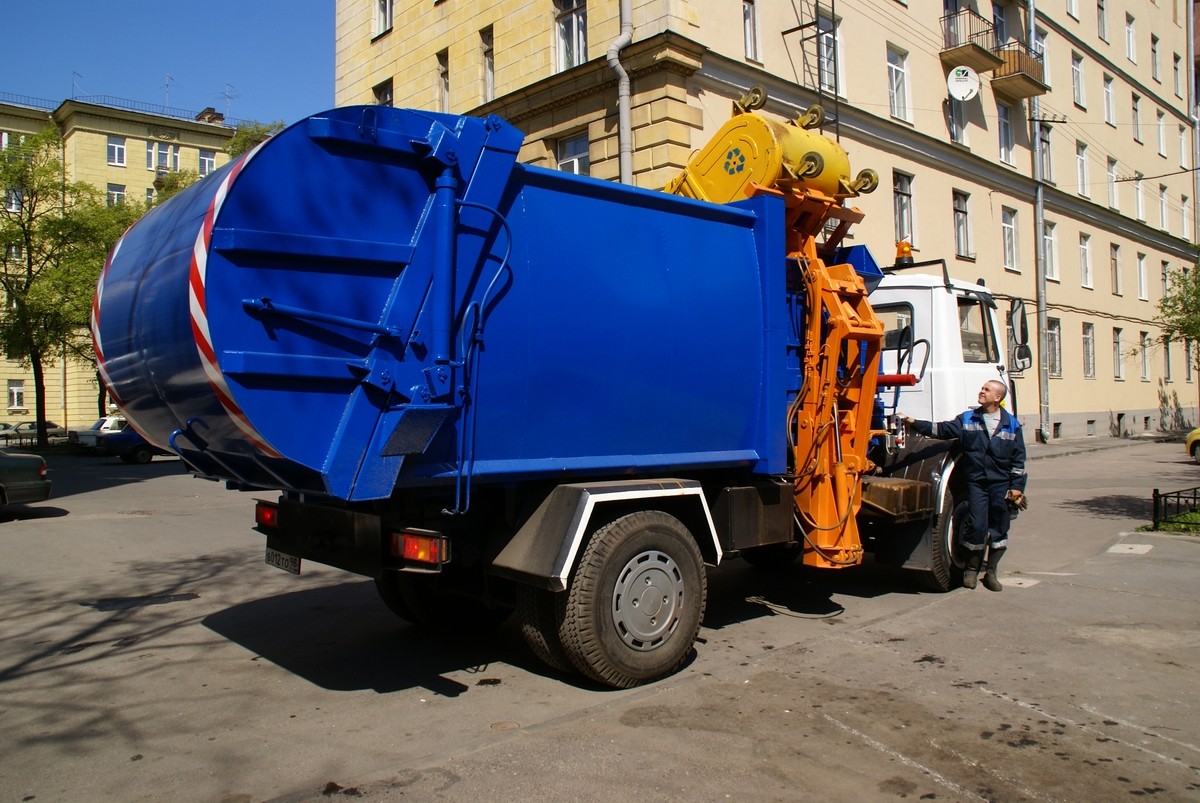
{"points": [[266, 515], [419, 547]]}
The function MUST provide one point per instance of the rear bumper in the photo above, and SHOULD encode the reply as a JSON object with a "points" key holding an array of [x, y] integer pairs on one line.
{"points": [[25, 492]]}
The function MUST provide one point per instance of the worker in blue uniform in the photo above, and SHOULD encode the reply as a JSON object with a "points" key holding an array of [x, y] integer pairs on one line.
{"points": [[993, 464]]}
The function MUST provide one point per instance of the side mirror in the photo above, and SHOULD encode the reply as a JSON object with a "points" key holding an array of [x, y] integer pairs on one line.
{"points": [[1018, 324], [1024, 357]]}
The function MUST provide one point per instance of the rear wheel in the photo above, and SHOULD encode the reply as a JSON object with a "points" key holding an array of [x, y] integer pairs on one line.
{"points": [[141, 455], [634, 606], [945, 562], [540, 612]]}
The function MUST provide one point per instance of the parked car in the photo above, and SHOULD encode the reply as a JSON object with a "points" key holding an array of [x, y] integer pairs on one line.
{"points": [[1192, 444], [127, 444], [26, 431], [22, 478], [5, 430], [87, 437]]}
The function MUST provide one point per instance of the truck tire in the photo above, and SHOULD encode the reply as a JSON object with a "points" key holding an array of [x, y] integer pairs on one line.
{"points": [[945, 569], [634, 605], [420, 599], [540, 612]]}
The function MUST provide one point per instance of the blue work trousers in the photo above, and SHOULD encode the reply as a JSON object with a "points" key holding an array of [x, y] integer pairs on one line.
{"points": [[988, 516]]}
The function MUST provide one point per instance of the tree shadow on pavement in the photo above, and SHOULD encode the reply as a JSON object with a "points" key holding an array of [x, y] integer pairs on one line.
{"points": [[1113, 506]]}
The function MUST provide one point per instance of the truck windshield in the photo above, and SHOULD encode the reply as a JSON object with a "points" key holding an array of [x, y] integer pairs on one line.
{"points": [[978, 336]]}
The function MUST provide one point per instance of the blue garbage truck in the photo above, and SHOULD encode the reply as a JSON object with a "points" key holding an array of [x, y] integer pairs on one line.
{"points": [[492, 387]]}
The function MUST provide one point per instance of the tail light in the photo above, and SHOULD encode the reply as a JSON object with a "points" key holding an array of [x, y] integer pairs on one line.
{"points": [[423, 547], [266, 515], [42, 471]]}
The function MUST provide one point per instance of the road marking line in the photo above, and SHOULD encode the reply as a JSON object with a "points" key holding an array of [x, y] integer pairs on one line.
{"points": [[903, 759], [970, 762], [1130, 549], [1145, 731], [1088, 728]]}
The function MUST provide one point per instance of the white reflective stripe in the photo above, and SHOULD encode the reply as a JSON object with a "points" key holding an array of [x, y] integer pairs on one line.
{"points": [[579, 526]]}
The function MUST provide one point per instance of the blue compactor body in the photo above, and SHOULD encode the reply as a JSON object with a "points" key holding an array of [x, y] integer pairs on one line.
{"points": [[380, 297], [484, 384]]}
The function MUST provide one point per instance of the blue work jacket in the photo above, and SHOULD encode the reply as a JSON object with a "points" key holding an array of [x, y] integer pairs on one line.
{"points": [[986, 457]]}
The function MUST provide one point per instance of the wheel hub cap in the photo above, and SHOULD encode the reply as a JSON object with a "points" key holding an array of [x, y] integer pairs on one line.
{"points": [[647, 600]]}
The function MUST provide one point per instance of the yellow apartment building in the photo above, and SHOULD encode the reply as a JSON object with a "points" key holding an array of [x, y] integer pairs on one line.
{"points": [[1058, 168], [120, 148]]}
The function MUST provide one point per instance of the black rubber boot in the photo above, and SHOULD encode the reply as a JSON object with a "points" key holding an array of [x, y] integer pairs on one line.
{"points": [[991, 578], [971, 570]]}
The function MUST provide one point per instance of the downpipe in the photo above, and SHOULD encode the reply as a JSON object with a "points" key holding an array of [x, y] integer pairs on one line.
{"points": [[624, 125]]}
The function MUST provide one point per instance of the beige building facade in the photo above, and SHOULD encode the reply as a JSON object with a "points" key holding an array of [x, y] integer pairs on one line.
{"points": [[121, 152], [1063, 176]]}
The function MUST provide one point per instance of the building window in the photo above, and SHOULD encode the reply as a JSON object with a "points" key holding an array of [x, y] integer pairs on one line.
{"points": [[487, 47], [383, 93], [1072, 9], [957, 121], [573, 155], [1166, 359], [1118, 362], [116, 194], [13, 201], [1054, 346], [149, 196], [1162, 207], [1135, 107], [1039, 48], [750, 28], [1185, 208], [902, 207], [1000, 22], [1130, 39], [1050, 250], [1144, 353], [1177, 74], [962, 224], [1114, 267], [1160, 120], [1183, 147], [1008, 236], [571, 23], [1111, 177], [1077, 79], [1081, 168], [16, 394], [1154, 58], [1085, 260], [1139, 197], [1102, 19], [1044, 152], [1004, 128], [116, 151], [897, 66], [1110, 109], [1089, 351], [828, 33], [162, 156], [1143, 287], [443, 70], [383, 16], [208, 162], [1187, 361]]}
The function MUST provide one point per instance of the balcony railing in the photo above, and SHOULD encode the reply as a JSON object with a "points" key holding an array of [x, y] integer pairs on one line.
{"points": [[968, 40], [1021, 74]]}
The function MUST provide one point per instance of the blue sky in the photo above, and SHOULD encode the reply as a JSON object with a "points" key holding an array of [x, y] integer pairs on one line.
{"points": [[276, 56]]}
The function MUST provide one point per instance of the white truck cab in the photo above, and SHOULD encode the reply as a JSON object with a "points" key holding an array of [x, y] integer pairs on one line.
{"points": [[948, 333]]}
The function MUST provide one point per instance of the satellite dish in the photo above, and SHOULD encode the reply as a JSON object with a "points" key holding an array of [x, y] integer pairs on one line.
{"points": [[963, 83]]}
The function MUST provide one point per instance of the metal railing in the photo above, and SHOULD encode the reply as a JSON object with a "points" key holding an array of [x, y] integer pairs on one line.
{"points": [[1018, 59], [968, 28], [1171, 505]]}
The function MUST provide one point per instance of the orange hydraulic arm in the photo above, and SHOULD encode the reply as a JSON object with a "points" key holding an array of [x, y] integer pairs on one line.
{"points": [[829, 422]]}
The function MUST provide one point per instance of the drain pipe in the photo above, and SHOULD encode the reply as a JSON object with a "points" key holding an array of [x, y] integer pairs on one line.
{"points": [[624, 126], [1039, 251]]}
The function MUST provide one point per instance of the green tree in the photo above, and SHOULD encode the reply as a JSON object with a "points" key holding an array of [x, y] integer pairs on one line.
{"points": [[1179, 309], [173, 182], [249, 134], [54, 237]]}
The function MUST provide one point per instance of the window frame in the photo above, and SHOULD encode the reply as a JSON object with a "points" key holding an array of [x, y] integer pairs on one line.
{"points": [[751, 43], [1054, 347], [1077, 80], [897, 72], [1004, 133], [566, 155], [570, 30], [116, 151], [1050, 250], [1085, 260], [903, 208], [1089, 350], [1009, 245], [961, 203]]}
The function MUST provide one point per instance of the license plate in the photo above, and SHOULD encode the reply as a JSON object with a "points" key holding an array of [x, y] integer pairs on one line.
{"points": [[289, 563]]}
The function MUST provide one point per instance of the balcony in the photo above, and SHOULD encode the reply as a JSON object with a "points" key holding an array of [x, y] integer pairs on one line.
{"points": [[1021, 75], [968, 40]]}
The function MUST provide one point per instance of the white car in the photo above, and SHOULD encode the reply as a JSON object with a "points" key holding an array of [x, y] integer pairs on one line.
{"points": [[87, 437]]}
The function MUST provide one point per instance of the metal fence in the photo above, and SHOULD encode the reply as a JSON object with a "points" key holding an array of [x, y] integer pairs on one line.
{"points": [[1171, 505]]}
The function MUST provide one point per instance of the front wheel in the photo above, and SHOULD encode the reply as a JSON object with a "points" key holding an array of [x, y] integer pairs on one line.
{"points": [[945, 565], [634, 606]]}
